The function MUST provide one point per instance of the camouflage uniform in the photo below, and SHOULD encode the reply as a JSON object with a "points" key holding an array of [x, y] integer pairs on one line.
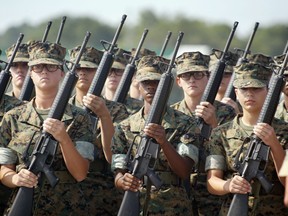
{"points": [[23, 121], [227, 139], [6, 104], [181, 132], [23, 124], [207, 204], [101, 196]]}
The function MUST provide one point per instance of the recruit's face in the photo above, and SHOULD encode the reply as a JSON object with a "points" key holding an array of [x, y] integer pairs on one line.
{"points": [[193, 83], [251, 99], [224, 82], [19, 71], [46, 76], [113, 79], [85, 77], [148, 89]]}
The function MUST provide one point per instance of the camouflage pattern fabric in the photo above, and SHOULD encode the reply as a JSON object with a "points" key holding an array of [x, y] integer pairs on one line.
{"points": [[251, 75], [17, 129], [90, 57], [22, 54], [151, 67], [101, 195], [225, 142], [281, 112], [192, 61], [46, 53], [224, 113], [121, 59], [207, 204], [132, 104], [180, 130], [8, 102]]}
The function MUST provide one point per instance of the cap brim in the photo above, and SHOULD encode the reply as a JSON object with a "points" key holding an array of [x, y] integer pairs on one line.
{"points": [[45, 61], [118, 65], [21, 60], [87, 64], [191, 69], [148, 76], [251, 83]]}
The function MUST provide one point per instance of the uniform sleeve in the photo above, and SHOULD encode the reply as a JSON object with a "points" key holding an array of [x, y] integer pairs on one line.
{"points": [[215, 152], [82, 135], [119, 149], [85, 149], [7, 156], [188, 147]]}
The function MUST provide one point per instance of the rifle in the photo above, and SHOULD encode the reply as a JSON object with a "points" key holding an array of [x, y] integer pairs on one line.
{"points": [[28, 85], [5, 74], [60, 29], [165, 43], [147, 153], [230, 93], [255, 160], [128, 74], [103, 70], [286, 48], [214, 83], [42, 157]]}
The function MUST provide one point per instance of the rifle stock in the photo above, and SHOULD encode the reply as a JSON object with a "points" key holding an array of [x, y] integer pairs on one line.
{"points": [[103, 70], [5, 74], [230, 93], [254, 163], [128, 74], [147, 153], [46, 146]]}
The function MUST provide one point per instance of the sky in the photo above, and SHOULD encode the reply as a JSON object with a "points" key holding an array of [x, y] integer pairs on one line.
{"points": [[246, 12]]}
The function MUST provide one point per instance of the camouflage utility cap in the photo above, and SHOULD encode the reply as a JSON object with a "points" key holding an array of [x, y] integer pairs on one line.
{"points": [[121, 59], [90, 58], [230, 59], [279, 61], [46, 53], [192, 61], [151, 68], [260, 59], [251, 75], [143, 52], [22, 54]]}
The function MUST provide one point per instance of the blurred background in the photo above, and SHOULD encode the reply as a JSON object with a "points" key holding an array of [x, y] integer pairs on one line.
{"points": [[206, 24]]}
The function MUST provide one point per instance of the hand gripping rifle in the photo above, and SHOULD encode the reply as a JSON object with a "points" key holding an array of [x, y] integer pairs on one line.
{"points": [[28, 85], [230, 93], [103, 70], [147, 153], [42, 157], [128, 74], [255, 160], [5, 74]]}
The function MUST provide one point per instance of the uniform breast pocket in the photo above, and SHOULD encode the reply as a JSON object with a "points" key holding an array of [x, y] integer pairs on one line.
{"points": [[21, 139]]}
